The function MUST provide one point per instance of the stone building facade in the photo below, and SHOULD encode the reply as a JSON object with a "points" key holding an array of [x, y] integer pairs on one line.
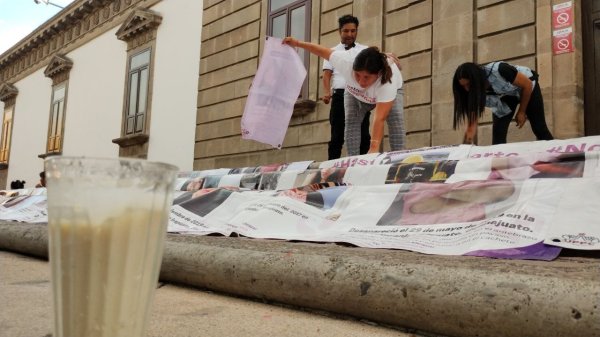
{"points": [[432, 37]]}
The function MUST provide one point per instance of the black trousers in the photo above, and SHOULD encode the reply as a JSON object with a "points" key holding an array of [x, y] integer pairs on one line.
{"points": [[337, 120], [534, 112]]}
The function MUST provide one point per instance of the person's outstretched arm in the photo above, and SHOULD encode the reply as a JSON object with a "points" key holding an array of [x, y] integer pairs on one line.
{"points": [[382, 110], [313, 48], [526, 86], [471, 133], [327, 85]]}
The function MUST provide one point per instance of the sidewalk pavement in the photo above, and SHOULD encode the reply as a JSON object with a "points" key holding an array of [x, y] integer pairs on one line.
{"points": [[446, 295], [26, 310]]}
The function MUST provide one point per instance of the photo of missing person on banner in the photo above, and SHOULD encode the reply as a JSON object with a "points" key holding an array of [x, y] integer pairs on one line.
{"points": [[539, 165], [319, 176], [193, 184], [437, 171], [212, 181], [244, 170], [323, 198], [205, 200], [269, 181], [250, 181], [272, 167], [427, 204], [415, 157]]}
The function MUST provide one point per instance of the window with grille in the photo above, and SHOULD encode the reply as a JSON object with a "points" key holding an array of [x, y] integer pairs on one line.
{"points": [[137, 98], [6, 134], [57, 117]]}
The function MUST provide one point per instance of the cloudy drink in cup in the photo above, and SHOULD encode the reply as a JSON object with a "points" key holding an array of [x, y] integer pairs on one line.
{"points": [[107, 224]]}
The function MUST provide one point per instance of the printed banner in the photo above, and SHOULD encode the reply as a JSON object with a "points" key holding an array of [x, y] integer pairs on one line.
{"points": [[521, 201]]}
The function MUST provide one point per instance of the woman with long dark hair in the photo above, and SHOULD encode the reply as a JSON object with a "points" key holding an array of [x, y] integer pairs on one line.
{"points": [[376, 82], [501, 87]]}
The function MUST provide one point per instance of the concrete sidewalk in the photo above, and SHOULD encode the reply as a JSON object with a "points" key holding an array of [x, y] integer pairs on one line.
{"points": [[26, 310], [446, 295]]}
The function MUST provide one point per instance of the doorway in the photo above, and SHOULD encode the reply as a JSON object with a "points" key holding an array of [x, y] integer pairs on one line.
{"points": [[591, 65]]}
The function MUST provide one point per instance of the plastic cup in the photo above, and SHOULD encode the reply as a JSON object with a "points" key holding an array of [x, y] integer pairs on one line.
{"points": [[107, 223]]}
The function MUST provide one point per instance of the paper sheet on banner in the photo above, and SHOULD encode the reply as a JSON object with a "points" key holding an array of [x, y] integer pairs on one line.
{"points": [[274, 91]]}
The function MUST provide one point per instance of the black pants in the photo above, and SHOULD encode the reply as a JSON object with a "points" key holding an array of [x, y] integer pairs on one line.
{"points": [[337, 120], [535, 115]]}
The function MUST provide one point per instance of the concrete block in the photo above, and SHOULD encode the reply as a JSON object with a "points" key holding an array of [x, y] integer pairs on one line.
{"points": [[505, 16], [484, 135], [417, 65], [442, 88], [523, 134], [417, 118], [528, 61], [391, 5], [522, 42], [328, 5], [228, 74], [544, 26], [224, 92], [230, 22], [322, 111], [417, 140], [204, 164], [420, 13], [221, 110], [412, 41], [329, 20], [370, 31], [291, 137], [452, 31], [317, 152], [369, 10], [567, 112], [417, 92], [445, 60], [420, 39], [314, 133], [446, 137], [445, 9], [233, 38], [229, 57], [396, 22], [227, 127], [442, 116], [210, 3], [223, 9], [483, 3], [331, 40]]}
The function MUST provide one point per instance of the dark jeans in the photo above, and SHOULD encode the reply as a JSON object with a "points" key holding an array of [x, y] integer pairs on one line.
{"points": [[535, 115], [337, 120]]}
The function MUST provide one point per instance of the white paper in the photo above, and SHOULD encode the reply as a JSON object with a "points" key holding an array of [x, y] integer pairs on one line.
{"points": [[274, 91]]}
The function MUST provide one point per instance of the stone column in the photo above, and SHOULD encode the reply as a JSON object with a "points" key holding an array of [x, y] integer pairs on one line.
{"points": [[452, 46]]}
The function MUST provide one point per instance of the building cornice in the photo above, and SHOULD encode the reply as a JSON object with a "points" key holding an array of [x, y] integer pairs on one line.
{"points": [[7, 91], [138, 22], [57, 65]]}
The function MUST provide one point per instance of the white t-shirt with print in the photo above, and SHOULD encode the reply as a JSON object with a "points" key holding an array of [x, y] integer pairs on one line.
{"points": [[377, 92], [337, 80]]}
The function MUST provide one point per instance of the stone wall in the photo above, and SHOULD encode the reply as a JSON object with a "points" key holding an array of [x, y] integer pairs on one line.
{"points": [[431, 37]]}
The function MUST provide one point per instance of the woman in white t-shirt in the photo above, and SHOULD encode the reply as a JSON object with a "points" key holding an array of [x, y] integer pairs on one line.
{"points": [[376, 82]]}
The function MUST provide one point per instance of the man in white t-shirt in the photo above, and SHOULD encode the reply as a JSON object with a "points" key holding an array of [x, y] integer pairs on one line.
{"points": [[334, 85]]}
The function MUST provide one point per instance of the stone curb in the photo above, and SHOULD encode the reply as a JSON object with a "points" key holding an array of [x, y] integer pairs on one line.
{"points": [[449, 295]]}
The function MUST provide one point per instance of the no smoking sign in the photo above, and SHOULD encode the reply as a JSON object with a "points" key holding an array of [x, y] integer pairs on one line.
{"points": [[562, 41], [562, 25], [562, 15]]}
